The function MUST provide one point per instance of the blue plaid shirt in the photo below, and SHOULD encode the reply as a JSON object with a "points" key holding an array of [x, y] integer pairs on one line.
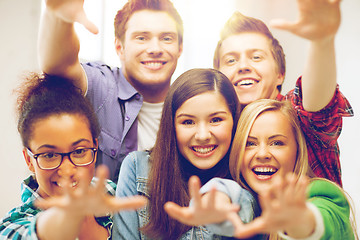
{"points": [[20, 222]]}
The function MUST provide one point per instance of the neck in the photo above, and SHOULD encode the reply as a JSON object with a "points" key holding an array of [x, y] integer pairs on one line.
{"points": [[154, 94], [221, 169]]}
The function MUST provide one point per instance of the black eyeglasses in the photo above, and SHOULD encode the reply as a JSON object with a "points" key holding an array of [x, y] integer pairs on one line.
{"points": [[51, 160]]}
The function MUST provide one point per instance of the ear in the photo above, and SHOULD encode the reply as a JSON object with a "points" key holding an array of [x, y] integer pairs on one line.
{"points": [[119, 47], [96, 142], [28, 161], [180, 49], [280, 80]]}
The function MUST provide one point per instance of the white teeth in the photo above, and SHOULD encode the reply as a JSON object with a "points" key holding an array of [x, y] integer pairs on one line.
{"points": [[203, 150], [265, 169], [245, 82], [73, 184], [153, 64]]}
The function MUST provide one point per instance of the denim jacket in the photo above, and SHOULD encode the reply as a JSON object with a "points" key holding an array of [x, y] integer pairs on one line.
{"points": [[132, 181]]}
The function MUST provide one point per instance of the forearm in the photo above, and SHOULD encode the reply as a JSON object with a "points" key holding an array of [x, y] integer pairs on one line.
{"points": [[305, 225], [56, 224], [58, 47], [319, 77]]}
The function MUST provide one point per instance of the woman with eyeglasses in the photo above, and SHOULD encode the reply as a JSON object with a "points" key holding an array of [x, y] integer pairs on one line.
{"points": [[59, 131]]}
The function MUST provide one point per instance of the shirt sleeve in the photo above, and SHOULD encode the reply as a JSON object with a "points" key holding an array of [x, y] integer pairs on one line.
{"points": [[334, 208], [327, 122], [237, 195], [100, 82], [107, 221], [322, 130], [18, 225]]}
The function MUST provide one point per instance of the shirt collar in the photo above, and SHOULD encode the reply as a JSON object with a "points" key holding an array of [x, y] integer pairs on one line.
{"points": [[125, 89]]}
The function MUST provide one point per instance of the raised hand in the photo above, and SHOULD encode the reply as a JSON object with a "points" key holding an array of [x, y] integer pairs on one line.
{"points": [[213, 207], [90, 200], [283, 208], [318, 19], [71, 11]]}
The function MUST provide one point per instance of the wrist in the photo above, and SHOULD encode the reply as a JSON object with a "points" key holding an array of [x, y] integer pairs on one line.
{"points": [[317, 230]]}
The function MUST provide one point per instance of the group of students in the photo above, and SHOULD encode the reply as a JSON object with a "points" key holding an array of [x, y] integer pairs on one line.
{"points": [[269, 163]]}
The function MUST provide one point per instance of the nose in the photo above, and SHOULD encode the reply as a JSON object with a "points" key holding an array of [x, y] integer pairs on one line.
{"points": [[154, 47], [66, 169], [263, 153], [202, 133], [244, 66]]}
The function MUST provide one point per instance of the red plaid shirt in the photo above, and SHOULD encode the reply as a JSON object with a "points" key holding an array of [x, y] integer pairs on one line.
{"points": [[321, 130]]}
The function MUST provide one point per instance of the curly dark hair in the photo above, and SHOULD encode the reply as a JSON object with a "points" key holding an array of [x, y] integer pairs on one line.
{"points": [[40, 96]]}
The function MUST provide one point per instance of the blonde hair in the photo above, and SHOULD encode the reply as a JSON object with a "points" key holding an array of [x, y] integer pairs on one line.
{"points": [[247, 119]]}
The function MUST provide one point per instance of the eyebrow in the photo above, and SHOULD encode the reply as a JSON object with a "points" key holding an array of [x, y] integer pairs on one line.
{"points": [[73, 144], [252, 50], [271, 137], [149, 32], [193, 116]]}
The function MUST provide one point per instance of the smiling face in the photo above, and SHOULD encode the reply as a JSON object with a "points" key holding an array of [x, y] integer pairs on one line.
{"points": [[271, 150], [150, 50], [203, 126], [246, 59], [62, 134]]}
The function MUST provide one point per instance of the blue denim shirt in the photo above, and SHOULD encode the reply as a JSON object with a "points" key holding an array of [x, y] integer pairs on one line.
{"points": [[132, 181], [117, 104]]}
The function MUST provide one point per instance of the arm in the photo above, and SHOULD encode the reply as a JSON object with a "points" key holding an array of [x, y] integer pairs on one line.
{"points": [[216, 205], [75, 211], [318, 22], [334, 208], [58, 44], [284, 209]]}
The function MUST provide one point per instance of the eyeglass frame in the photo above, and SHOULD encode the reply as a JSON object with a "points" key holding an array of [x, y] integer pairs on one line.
{"points": [[35, 156]]}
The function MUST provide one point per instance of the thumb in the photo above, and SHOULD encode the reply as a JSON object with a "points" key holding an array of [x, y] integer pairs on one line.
{"points": [[283, 24], [90, 26]]}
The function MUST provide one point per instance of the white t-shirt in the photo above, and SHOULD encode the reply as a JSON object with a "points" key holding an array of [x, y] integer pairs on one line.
{"points": [[148, 124]]}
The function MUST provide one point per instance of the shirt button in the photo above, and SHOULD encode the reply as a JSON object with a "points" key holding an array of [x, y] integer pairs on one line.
{"points": [[127, 118], [137, 96], [113, 152]]}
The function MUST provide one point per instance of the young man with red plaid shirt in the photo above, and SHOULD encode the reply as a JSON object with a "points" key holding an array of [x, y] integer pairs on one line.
{"points": [[253, 60]]}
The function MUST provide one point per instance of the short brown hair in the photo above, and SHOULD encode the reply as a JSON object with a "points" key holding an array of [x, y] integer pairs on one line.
{"points": [[132, 6], [239, 23]]}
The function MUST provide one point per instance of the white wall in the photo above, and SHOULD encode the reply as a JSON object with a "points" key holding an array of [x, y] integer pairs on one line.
{"points": [[19, 26], [18, 23]]}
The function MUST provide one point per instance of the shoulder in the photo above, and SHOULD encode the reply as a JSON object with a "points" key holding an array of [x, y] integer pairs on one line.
{"points": [[98, 66], [325, 188], [330, 199], [20, 223], [137, 162]]}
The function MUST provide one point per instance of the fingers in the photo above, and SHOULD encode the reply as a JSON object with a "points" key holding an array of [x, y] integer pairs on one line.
{"points": [[283, 24], [102, 173], [90, 26], [289, 26], [48, 203], [236, 221], [179, 213], [194, 191], [250, 229], [128, 203]]}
